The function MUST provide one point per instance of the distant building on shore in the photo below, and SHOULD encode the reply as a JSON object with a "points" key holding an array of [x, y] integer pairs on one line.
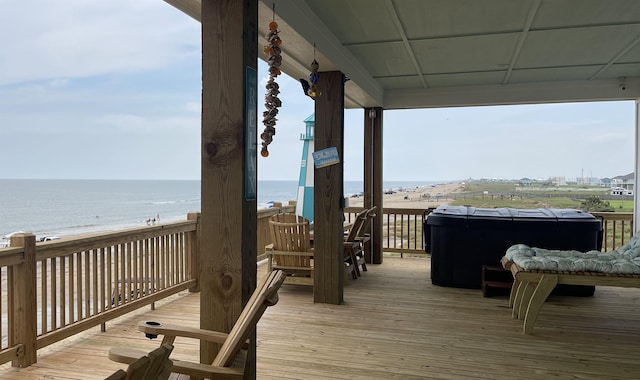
{"points": [[625, 182], [558, 181]]}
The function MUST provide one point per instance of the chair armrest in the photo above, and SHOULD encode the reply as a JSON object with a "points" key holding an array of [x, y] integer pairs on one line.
{"points": [[125, 355], [182, 331]]}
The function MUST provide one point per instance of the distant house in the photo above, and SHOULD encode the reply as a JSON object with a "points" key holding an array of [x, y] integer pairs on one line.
{"points": [[526, 182], [558, 181], [624, 181]]}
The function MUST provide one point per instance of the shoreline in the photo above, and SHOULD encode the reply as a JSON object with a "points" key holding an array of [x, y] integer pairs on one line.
{"points": [[59, 222], [420, 197]]}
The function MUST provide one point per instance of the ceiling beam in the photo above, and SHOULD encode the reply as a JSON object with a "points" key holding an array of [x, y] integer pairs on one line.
{"points": [[521, 39], [521, 93], [393, 14], [616, 57]]}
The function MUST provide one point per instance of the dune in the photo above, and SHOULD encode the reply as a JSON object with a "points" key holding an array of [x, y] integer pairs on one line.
{"points": [[421, 197]]}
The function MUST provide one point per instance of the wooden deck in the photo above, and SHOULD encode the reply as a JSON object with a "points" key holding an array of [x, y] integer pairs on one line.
{"points": [[394, 325]]}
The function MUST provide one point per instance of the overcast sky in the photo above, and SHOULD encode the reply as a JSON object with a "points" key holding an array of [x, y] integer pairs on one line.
{"points": [[111, 90]]}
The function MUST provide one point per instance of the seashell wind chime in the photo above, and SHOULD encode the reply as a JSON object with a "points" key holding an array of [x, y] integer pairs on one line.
{"points": [[271, 100]]}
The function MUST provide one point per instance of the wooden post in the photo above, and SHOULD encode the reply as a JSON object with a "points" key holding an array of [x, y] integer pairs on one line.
{"points": [[193, 251], [229, 120], [373, 180], [369, 119], [328, 195], [636, 179], [23, 311], [376, 226]]}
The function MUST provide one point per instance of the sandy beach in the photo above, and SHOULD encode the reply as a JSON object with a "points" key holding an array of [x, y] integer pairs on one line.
{"points": [[420, 197]]}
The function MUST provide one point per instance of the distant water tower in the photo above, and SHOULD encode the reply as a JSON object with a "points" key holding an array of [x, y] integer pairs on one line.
{"points": [[304, 203]]}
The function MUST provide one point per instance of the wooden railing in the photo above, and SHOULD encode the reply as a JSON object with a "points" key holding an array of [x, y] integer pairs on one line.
{"points": [[51, 291], [401, 228], [617, 229]]}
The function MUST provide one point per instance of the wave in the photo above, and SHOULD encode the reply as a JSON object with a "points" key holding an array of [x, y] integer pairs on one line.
{"points": [[174, 202]]}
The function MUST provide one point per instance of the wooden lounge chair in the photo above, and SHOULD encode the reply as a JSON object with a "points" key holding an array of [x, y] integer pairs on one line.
{"points": [[230, 361], [154, 366], [291, 249], [531, 288]]}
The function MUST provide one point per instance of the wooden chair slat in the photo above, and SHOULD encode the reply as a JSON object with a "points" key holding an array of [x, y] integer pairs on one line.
{"points": [[291, 248]]}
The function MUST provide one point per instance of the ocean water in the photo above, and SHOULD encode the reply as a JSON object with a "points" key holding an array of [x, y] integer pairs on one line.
{"points": [[67, 207]]}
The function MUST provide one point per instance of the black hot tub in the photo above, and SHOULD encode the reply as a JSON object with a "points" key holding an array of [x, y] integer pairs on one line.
{"points": [[461, 239]]}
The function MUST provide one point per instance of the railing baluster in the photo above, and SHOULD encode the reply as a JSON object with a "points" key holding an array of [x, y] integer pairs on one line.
{"points": [[96, 293], [163, 261], [157, 264], [401, 234], [388, 225], [3, 271], [124, 294], [43, 296], [2, 301], [176, 257], [54, 294], [114, 285], [63, 292], [78, 292], [131, 275], [136, 268], [614, 237], [605, 235]]}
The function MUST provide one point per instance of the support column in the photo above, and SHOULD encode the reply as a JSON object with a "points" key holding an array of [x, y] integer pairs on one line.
{"points": [[228, 184], [328, 194], [373, 180], [636, 181]]}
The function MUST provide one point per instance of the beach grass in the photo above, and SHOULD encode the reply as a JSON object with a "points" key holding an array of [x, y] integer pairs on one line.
{"points": [[622, 205], [491, 201]]}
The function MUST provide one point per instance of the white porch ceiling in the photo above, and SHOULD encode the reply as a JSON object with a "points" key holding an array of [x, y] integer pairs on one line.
{"points": [[403, 54]]}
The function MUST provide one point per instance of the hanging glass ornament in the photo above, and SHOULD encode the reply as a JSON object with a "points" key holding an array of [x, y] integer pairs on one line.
{"points": [[310, 88]]}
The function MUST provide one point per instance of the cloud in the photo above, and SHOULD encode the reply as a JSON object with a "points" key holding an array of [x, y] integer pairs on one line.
{"points": [[81, 38]]}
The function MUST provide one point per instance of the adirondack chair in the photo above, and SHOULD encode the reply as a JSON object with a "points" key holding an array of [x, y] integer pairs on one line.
{"points": [[154, 366], [230, 361], [364, 235], [361, 236], [353, 247], [291, 249]]}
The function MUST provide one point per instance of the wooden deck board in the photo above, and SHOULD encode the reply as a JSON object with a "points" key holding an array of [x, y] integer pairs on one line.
{"points": [[394, 324]]}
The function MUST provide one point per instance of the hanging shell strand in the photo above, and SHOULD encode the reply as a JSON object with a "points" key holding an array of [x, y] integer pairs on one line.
{"points": [[271, 100]]}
